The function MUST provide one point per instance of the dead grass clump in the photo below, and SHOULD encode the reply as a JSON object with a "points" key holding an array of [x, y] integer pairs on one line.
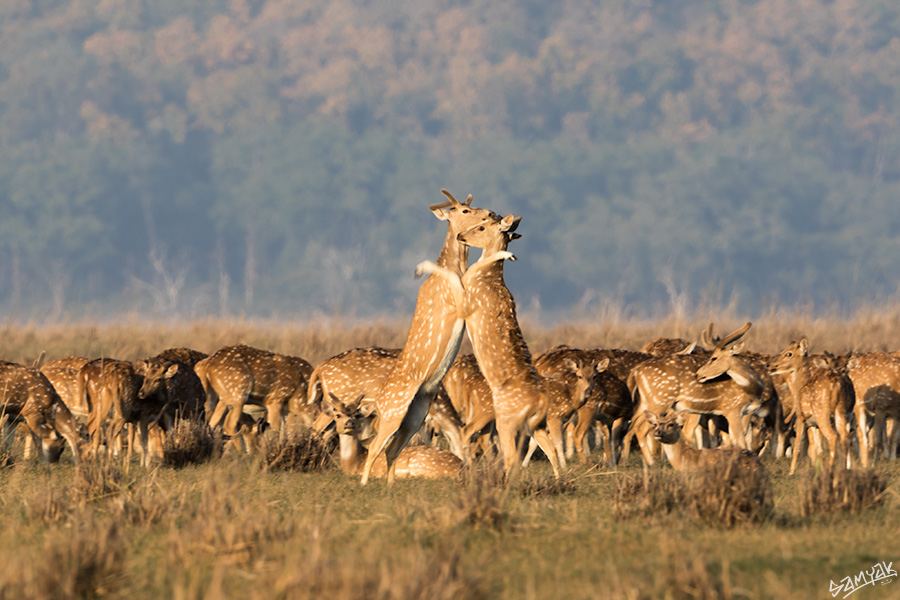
{"points": [[86, 561], [636, 496], [546, 485], [733, 492], [725, 496], [191, 442], [294, 450], [483, 498], [422, 573], [97, 479], [146, 504], [225, 524], [832, 490]]}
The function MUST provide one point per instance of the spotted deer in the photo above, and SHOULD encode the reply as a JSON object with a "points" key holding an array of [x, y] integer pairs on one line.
{"points": [[236, 378], [188, 356], [672, 381], [63, 375], [567, 392], [823, 398], [520, 394], [666, 428], [110, 387], [361, 373], [876, 386], [27, 395], [608, 403], [435, 335], [471, 396], [413, 461]]}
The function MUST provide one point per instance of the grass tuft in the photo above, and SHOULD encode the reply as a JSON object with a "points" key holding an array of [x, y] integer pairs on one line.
{"points": [[833, 490]]}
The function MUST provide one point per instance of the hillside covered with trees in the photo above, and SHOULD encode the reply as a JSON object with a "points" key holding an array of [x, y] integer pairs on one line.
{"points": [[276, 157]]}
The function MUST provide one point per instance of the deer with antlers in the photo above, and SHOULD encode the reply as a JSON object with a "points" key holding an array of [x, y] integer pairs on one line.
{"points": [[727, 387], [432, 343], [823, 398], [520, 394]]}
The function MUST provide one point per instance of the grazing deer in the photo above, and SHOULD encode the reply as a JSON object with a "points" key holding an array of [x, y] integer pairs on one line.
{"points": [[567, 392], [876, 385], [413, 461], [110, 387], [435, 335], [27, 395], [823, 399], [672, 381], [521, 397], [236, 376], [682, 457]]}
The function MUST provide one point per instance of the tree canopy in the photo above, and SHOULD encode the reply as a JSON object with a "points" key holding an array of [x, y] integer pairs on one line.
{"points": [[276, 157]]}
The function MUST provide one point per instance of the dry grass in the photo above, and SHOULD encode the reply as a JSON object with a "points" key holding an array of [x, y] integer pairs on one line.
{"points": [[228, 528], [832, 490]]}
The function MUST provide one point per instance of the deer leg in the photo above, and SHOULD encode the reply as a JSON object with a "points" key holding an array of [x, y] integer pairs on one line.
{"points": [[546, 444], [532, 446], [554, 431], [274, 416], [862, 425], [736, 430], [799, 439], [411, 423]]}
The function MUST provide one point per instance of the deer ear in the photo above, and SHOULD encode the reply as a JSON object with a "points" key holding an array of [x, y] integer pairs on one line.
{"points": [[804, 345], [514, 236], [602, 365], [440, 211], [651, 417], [680, 418], [172, 371], [509, 223]]}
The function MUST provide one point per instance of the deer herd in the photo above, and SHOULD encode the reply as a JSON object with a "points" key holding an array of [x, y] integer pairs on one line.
{"points": [[696, 403]]}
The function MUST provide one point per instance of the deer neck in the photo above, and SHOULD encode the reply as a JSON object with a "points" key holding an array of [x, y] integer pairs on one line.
{"points": [[353, 454], [454, 254], [746, 377], [676, 453], [798, 378]]}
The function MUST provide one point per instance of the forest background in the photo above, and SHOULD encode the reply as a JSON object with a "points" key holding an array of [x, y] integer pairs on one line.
{"points": [[275, 158]]}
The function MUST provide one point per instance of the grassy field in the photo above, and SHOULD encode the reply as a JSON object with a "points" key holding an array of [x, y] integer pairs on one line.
{"points": [[230, 528]]}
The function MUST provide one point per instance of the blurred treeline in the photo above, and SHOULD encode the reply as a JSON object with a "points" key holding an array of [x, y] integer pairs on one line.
{"points": [[275, 157]]}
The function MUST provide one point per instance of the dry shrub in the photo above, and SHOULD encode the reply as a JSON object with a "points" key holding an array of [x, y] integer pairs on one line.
{"points": [[846, 490], [727, 495], [732, 493], [86, 561], [294, 450], [190, 442]]}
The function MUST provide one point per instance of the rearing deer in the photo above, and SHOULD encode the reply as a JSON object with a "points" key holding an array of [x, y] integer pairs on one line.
{"points": [[481, 296], [431, 345]]}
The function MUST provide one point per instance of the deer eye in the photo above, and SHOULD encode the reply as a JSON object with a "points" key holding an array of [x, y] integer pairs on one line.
{"points": [[481, 228], [465, 211]]}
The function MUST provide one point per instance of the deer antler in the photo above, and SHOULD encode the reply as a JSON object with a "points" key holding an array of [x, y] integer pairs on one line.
{"points": [[707, 339]]}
